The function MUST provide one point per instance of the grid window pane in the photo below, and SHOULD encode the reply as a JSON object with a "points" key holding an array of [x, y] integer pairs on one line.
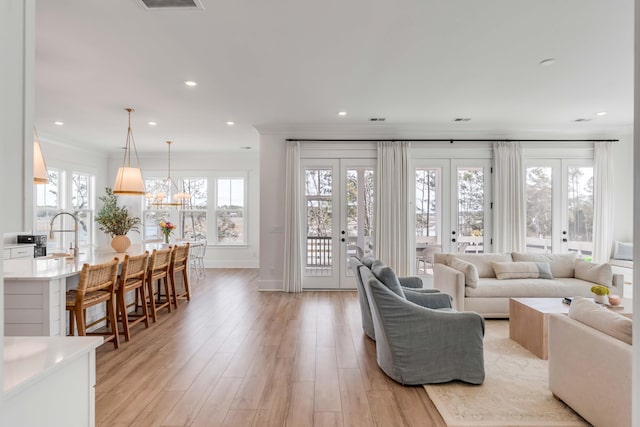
{"points": [[580, 209]]}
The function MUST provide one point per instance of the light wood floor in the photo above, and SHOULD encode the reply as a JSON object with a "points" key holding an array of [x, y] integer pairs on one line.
{"points": [[234, 356]]}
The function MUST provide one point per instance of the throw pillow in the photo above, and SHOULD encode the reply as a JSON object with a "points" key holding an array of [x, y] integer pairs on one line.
{"points": [[592, 272], [601, 318], [469, 270], [388, 277], [522, 270], [483, 262], [562, 265], [623, 251]]}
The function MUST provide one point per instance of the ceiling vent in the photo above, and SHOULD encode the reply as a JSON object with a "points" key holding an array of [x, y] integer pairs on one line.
{"points": [[462, 119], [582, 120], [171, 4], [377, 119]]}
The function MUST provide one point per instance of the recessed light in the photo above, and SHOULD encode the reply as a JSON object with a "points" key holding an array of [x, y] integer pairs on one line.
{"points": [[58, 123], [601, 113], [547, 62], [342, 113], [230, 123], [191, 83], [152, 123]]}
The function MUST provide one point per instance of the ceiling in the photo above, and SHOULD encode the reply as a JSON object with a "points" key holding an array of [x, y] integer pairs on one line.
{"points": [[267, 64]]}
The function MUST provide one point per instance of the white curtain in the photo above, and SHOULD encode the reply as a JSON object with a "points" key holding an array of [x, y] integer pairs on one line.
{"points": [[509, 204], [392, 225], [293, 220], [602, 201]]}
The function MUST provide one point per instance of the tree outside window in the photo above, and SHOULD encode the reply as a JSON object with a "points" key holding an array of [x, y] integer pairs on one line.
{"points": [[230, 210]]}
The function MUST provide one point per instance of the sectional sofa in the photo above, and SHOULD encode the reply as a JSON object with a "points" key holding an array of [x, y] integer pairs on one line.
{"points": [[484, 282]]}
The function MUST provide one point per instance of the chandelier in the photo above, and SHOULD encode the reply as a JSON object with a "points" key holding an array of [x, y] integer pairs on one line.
{"points": [[129, 179], [169, 194]]}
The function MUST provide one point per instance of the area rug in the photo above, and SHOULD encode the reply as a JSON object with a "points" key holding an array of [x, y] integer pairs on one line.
{"points": [[515, 391]]}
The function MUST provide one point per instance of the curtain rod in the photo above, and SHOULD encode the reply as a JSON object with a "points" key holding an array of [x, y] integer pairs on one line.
{"points": [[450, 140]]}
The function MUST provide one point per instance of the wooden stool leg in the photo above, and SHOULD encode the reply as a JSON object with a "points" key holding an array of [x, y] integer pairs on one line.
{"points": [[167, 290], [152, 302], [81, 321], [72, 328], [186, 284], [174, 292], [122, 308], [145, 312], [111, 310]]}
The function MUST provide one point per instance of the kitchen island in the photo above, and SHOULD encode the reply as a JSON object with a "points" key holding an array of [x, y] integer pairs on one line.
{"points": [[35, 288]]}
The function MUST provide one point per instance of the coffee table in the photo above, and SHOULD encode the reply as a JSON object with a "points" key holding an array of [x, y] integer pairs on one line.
{"points": [[529, 317]]}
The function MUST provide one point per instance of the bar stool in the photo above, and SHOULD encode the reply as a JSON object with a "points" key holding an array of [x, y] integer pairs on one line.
{"points": [[180, 263], [97, 285], [159, 271], [133, 278]]}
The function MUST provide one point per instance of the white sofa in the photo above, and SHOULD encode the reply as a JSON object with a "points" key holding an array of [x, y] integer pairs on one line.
{"points": [[489, 296], [590, 363]]}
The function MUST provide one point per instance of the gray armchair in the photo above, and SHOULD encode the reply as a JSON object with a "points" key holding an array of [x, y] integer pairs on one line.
{"points": [[415, 283], [420, 345]]}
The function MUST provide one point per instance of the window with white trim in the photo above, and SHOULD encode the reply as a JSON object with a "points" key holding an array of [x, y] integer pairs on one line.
{"points": [[230, 211], [82, 189]]}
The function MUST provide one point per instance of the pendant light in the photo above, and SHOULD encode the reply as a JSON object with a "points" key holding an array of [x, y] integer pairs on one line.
{"points": [[129, 180], [40, 174], [170, 195]]}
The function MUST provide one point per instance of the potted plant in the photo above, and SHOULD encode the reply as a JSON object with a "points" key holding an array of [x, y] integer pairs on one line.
{"points": [[600, 293], [116, 221]]}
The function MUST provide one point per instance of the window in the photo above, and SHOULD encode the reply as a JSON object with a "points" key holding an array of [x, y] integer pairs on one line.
{"points": [[48, 200], [230, 211], [82, 205], [193, 219]]}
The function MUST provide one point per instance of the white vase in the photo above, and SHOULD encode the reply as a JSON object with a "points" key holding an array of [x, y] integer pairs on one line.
{"points": [[600, 299], [120, 243]]}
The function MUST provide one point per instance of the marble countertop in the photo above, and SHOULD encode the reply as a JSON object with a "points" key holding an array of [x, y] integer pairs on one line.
{"points": [[28, 359], [47, 268]]}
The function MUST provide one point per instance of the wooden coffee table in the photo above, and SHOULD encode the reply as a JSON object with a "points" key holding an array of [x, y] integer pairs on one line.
{"points": [[529, 317]]}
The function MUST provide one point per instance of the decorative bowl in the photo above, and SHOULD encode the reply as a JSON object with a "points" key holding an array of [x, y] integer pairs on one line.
{"points": [[614, 299]]}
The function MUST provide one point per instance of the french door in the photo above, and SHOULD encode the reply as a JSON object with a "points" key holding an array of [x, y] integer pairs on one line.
{"points": [[452, 208], [559, 206], [338, 219]]}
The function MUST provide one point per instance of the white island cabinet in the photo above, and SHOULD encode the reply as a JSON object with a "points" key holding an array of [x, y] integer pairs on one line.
{"points": [[49, 381]]}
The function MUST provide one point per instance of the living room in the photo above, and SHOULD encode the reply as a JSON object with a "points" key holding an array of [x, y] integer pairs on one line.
{"points": [[564, 109]]}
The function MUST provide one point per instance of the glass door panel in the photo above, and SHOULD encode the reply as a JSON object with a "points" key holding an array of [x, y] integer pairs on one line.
{"points": [[579, 232], [470, 219], [319, 221], [428, 217], [358, 215], [539, 190]]}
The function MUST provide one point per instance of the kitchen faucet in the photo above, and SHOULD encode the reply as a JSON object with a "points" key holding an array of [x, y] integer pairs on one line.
{"points": [[74, 231]]}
